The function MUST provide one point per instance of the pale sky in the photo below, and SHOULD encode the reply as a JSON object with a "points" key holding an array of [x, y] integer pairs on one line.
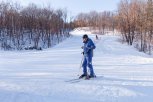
{"points": [[74, 6]]}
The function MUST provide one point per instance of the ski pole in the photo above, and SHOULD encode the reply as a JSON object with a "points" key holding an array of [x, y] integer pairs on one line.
{"points": [[81, 64]]}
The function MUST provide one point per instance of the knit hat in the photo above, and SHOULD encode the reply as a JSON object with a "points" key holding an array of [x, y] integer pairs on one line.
{"points": [[85, 36]]}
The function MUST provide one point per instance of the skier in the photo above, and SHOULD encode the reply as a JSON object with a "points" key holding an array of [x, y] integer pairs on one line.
{"points": [[87, 57], [96, 37]]}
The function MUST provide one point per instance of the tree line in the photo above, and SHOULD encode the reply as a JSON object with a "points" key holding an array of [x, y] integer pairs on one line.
{"points": [[101, 21], [31, 27], [133, 18]]}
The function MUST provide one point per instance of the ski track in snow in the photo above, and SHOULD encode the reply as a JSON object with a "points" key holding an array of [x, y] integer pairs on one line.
{"points": [[123, 74]]}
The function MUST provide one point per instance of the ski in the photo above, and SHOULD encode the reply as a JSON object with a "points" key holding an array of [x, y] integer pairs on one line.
{"points": [[76, 80], [73, 80]]}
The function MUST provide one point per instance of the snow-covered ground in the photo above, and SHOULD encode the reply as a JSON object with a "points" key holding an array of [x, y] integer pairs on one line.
{"points": [[123, 74]]}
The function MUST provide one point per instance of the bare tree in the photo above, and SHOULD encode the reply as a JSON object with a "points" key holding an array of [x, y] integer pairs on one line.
{"points": [[31, 27]]}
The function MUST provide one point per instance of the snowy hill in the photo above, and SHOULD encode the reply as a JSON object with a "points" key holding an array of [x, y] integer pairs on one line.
{"points": [[123, 74]]}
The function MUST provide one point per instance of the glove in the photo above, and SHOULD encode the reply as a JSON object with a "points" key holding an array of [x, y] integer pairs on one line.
{"points": [[82, 53]]}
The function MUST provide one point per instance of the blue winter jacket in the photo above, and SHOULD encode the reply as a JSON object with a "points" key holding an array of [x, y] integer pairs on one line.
{"points": [[88, 48]]}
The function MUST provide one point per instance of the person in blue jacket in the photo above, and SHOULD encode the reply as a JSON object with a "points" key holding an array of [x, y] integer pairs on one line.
{"points": [[88, 48]]}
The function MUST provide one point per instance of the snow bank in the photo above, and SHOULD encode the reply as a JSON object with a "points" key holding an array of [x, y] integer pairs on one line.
{"points": [[81, 31]]}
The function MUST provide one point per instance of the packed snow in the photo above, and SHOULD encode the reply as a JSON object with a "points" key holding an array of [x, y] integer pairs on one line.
{"points": [[123, 73]]}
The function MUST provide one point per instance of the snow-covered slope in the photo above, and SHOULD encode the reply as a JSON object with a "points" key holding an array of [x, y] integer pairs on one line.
{"points": [[123, 74]]}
